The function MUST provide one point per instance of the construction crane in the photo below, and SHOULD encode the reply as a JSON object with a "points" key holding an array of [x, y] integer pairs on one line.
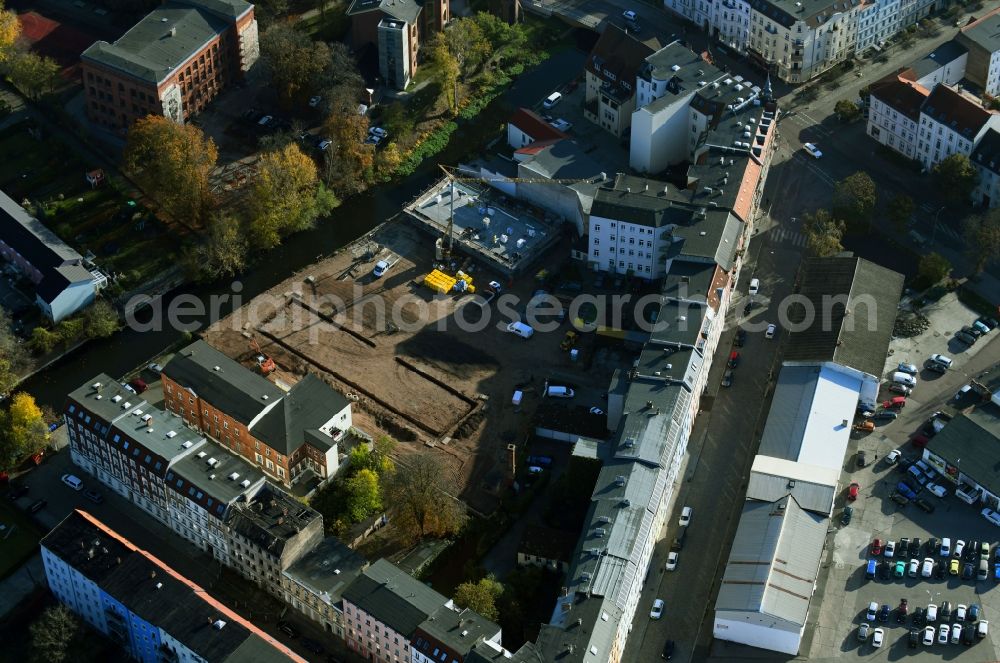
{"points": [[265, 363], [450, 173]]}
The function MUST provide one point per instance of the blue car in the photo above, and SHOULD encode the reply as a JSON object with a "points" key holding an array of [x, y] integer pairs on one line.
{"points": [[905, 490]]}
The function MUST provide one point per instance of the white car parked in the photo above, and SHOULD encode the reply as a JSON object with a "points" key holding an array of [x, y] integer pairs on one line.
{"points": [[936, 489], [686, 514], [672, 561], [813, 150], [657, 610]]}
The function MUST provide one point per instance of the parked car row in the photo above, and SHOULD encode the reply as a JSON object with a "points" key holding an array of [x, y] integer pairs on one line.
{"points": [[972, 333], [967, 626]]}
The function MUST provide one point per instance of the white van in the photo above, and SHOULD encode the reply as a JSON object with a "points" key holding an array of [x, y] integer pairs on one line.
{"points": [[900, 377], [552, 100], [72, 481], [521, 329], [559, 392]]}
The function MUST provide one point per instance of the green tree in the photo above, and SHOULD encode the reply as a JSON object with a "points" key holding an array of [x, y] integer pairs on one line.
{"points": [[956, 178], [23, 430], [101, 319], [932, 268], [43, 340], [70, 330], [286, 196], [33, 74], [467, 44], [847, 111], [823, 233], [377, 459], [299, 67], [480, 596], [900, 211], [173, 162], [223, 250], [504, 38], [982, 237], [422, 507], [52, 633], [854, 199], [349, 158], [364, 495]]}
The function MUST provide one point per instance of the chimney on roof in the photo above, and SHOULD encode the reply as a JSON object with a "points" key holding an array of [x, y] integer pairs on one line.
{"points": [[152, 574], [173, 32]]}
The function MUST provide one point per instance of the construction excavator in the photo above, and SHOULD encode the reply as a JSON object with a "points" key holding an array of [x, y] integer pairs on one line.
{"points": [[264, 363]]}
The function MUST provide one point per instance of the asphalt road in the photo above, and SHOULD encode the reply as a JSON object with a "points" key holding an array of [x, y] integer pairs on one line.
{"points": [[723, 444]]}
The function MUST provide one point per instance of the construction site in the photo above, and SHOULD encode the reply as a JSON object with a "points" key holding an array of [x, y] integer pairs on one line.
{"points": [[381, 320], [502, 233]]}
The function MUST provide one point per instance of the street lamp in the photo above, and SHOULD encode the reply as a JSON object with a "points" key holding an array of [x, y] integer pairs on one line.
{"points": [[934, 227]]}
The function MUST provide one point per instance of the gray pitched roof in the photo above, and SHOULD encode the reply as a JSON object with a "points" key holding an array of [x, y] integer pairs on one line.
{"points": [[29, 237], [975, 437], [636, 200], [854, 303], [233, 389], [161, 42], [984, 32], [153, 592], [455, 630], [403, 10], [393, 597], [272, 518], [327, 569], [987, 152], [309, 404], [773, 563], [489, 652]]}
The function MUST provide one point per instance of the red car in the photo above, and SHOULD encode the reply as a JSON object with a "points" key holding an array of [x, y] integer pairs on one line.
{"points": [[852, 491], [897, 402], [876, 547], [139, 385], [920, 441], [734, 359]]}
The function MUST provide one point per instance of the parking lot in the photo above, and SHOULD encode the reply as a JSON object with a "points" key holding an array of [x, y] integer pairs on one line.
{"points": [[846, 592]]}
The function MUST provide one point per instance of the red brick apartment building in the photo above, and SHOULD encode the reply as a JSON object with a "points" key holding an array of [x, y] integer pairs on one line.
{"points": [[172, 63], [289, 435]]}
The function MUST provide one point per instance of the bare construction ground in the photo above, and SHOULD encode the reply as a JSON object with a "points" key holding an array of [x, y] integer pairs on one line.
{"points": [[396, 348]]}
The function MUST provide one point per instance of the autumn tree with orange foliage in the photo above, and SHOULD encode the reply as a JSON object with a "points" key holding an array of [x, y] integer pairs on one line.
{"points": [[173, 163], [10, 31], [286, 196], [23, 430]]}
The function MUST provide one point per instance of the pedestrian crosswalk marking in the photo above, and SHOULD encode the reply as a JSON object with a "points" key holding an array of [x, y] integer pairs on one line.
{"points": [[789, 237]]}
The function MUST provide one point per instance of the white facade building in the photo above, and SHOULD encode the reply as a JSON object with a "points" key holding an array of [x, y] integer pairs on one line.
{"points": [[951, 123], [894, 114], [731, 23], [877, 21]]}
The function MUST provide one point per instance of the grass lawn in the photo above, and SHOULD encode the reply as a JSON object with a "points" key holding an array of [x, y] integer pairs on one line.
{"points": [[123, 239], [18, 545]]}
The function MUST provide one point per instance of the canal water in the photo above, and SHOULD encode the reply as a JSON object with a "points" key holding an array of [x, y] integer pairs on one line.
{"points": [[356, 216]]}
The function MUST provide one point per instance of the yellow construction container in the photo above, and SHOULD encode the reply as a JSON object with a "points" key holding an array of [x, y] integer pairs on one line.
{"points": [[440, 282]]}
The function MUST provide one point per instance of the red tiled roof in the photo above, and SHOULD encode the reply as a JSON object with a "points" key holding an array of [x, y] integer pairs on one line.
{"points": [[531, 124], [537, 146]]}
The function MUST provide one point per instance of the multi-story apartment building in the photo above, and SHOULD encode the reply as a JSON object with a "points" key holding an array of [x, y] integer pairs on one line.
{"points": [[730, 23], [394, 618], [982, 39], [894, 113], [314, 584], [151, 611], [611, 71], [877, 21], [206, 494], [291, 436], [172, 63], [397, 28], [269, 533], [951, 122], [986, 160]]}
